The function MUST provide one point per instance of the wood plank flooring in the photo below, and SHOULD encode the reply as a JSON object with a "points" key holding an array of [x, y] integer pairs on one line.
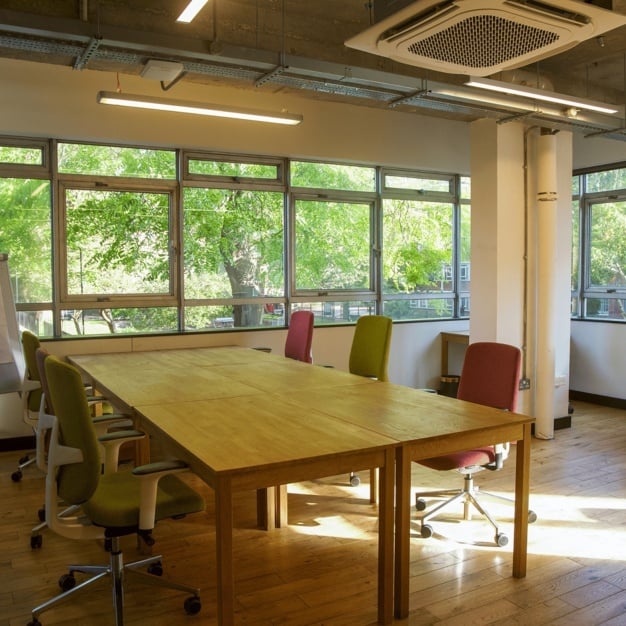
{"points": [[321, 569]]}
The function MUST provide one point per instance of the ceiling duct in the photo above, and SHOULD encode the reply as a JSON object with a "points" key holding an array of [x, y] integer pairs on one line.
{"points": [[482, 37]]}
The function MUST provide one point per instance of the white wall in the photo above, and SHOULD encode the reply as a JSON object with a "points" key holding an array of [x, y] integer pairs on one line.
{"points": [[49, 101], [598, 359], [592, 151]]}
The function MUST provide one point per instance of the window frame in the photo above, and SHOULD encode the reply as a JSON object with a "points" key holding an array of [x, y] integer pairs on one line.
{"points": [[585, 291], [370, 299], [66, 300]]}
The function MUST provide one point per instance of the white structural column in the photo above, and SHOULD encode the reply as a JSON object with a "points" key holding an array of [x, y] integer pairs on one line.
{"points": [[497, 233], [521, 256]]}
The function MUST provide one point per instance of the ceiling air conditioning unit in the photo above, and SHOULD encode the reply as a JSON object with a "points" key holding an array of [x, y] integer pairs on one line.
{"points": [[482, 37]]}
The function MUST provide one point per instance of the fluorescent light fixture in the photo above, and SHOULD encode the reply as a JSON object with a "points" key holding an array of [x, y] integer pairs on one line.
{"points": [[196, 108], [192, 9], [539, 94]]}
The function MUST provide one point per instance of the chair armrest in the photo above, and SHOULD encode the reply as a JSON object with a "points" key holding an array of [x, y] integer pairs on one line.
{"points": [[30, 385], [149, 476], [501, 453], [102, 423], [112, 442]]}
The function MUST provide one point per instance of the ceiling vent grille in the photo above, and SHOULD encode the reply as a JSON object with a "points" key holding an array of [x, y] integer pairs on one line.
{"points": [[481, 37]]}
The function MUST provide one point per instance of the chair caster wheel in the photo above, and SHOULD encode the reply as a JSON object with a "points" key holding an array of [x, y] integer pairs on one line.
{"points": [[34, 622], [427, 531], [501, 540], [192, 605], [67, 582], [156, 569], [532, 517], [355, 481], [16, 476], [420, 504], [36, 541]]}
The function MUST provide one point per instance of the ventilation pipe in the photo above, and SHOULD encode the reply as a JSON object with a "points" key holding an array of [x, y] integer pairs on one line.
{"points": [[546, 176]]}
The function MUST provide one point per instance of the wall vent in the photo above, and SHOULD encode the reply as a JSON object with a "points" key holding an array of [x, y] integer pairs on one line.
{"points": [[482, 37]]}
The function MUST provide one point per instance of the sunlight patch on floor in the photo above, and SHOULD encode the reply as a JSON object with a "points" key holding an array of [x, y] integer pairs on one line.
{"points": [[570, 526]]}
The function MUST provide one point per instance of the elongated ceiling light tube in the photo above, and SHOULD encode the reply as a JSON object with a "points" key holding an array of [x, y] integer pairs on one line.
{"points": [[539, 94], [196, 108], [192, 9]]}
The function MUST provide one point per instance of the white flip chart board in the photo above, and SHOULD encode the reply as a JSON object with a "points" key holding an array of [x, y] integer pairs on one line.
{"points": [[11, 358]]}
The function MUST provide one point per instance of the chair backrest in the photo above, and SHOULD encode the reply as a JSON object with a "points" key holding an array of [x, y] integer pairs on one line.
{"points": [[40, 357], [30, 343], [370, 346], [490, 375], [76, 482], [300, 336]]}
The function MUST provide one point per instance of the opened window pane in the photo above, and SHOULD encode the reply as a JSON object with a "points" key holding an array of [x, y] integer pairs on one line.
{"points": [[332, 246], [117, 242]]}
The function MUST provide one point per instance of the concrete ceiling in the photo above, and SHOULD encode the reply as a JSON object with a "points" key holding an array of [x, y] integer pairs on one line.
{"points": [[297, 46]]}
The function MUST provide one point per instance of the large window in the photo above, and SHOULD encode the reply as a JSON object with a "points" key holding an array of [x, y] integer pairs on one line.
{"points": [[121, 239], [599, 259], [425, 259]]}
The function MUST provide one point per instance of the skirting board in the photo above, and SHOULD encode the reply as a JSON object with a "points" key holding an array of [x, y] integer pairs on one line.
{"points": [[592, 398]]}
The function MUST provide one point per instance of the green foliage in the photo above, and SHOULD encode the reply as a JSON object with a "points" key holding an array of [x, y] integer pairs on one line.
{"points": [[332, 245], [417, 245], [608, 245], [116, 161], [332, 176], [118, 233], [25, 234], [117, 242]]}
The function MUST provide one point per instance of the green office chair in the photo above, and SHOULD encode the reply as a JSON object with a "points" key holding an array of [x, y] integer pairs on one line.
{"points": [[102, 424], [369, 356], [31, 397], [112, 504]]}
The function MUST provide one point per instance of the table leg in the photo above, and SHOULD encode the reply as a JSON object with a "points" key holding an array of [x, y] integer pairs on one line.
{"points": [[385, 540], [224, 553], [403, 530], [373, 485], [522, 487], [281, 508], [271, 507]]}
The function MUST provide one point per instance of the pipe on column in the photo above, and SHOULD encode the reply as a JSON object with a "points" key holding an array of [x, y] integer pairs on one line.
{"points": [[546, 176]]}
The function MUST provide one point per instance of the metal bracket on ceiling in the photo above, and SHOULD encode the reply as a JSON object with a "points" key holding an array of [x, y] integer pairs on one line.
{"points": [[89, 51], [516, 117], [404, 99], [608, 131], [277, 71]]}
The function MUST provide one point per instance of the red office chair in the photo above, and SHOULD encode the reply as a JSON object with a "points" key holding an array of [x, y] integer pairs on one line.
{"points": [[490, 376], [300, 336]]}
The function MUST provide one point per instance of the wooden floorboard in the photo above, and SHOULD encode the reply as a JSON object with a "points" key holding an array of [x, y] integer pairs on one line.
{"points": [[321, 569]]}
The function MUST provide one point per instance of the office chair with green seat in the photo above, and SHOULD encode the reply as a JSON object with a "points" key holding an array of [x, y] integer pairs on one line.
{"points": [[369, 356], [45, 422], [490, 376], [111, 505], [31, 397]]}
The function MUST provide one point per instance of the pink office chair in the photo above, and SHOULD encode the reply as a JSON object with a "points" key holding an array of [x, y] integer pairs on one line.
{"points": [[300, 336], [490, 376]]}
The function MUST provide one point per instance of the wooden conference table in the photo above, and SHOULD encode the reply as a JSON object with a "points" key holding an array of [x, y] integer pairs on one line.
{"points": [[244, 420]]}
